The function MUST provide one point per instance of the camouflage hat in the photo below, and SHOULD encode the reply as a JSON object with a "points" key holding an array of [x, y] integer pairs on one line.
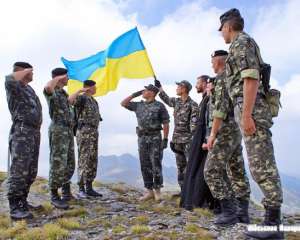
{"points": [[218, 53], [186, 84], [152, 88], [230, 14]]}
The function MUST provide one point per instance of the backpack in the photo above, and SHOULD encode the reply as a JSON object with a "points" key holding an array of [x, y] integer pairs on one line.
{"points": [[272, 95]]}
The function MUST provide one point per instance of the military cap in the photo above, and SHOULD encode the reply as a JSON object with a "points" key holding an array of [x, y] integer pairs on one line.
{"points": [[218, 53], [230, 14], [22, 65], [186, 84], [152, 88], [58, 72], [89, 83]]}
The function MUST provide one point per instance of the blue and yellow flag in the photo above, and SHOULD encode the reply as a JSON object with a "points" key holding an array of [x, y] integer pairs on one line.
{"points": [[126, 57]]}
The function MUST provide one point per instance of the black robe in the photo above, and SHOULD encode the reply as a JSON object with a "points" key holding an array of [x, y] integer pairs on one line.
{"points": [[195, 192]]}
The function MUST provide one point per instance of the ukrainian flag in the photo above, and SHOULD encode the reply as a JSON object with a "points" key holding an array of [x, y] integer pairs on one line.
{"points": [[126, 57]]}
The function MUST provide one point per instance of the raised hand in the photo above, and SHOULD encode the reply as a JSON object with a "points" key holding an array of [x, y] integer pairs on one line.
{"points": [[20, 75]]}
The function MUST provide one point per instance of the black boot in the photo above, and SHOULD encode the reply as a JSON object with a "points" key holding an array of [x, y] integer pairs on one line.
{"points": [[90, 191], [82, 194], [242, 211], [17, 210], [228, 215], [272, 218], [66, 192], [57, 202]]}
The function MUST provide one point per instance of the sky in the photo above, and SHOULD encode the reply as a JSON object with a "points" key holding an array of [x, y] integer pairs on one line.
{"points": [[179, 36]]}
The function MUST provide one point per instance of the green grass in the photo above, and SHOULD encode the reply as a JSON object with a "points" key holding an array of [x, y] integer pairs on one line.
{"points": [[96, 222], [69, 223], [202, 212], [140, 229], [54, 232], [118, 229], [12, 232], [3, 176], [4, 222], [142, 219], [77, 212]]}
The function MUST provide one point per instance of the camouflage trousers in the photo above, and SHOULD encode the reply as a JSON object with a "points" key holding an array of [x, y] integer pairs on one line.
{"points": [[87, 142], [181, 160], [260, 153], [24, 145], [62, 157], [224, 170], [151, 154]]}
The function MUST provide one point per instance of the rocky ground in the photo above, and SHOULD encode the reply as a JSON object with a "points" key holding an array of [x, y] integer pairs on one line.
{"points": [[118, 215]]}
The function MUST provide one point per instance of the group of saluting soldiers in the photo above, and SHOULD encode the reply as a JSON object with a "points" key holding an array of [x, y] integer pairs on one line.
{"points": [[235, 109]]}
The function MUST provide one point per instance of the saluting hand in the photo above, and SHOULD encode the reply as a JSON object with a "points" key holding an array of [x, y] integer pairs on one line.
{"points": [[20, 75], [59, 78], [248, 125]]}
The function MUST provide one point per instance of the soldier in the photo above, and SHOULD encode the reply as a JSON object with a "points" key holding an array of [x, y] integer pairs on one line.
{"points": [[24, 138], [186, 113], [61, 139], [225, 170], [253, 115], [151, 115], [87, 120]]}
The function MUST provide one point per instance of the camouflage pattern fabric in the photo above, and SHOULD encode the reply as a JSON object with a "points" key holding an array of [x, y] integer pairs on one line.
{"points": [[186, 116], [87, 138], [24, 137], [61, 139], [243, 62], [150, 117], [226, 157], [181, 160]]}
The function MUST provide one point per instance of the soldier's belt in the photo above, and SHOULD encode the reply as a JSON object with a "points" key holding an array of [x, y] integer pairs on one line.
{"points": [[144, 132]]}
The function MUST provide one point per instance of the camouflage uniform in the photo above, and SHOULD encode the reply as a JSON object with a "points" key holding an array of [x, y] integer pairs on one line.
{"points": [[150, 117], [225, 170], [186, 116], [24, 137], [242, 62], [61, 139], [87, 137]]}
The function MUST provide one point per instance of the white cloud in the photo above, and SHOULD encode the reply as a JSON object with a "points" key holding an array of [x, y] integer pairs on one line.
{"points": [[179, 47]]}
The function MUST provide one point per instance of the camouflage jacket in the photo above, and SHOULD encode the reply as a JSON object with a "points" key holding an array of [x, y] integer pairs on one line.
{"points": [[186, 115], [87, 111], [59, 109], [23, 103], [150, 115], [242, 62]]}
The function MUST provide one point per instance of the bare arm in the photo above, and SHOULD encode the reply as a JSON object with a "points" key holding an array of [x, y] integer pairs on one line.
{"points": [[166, 130], [217, 122], [73, 97]]}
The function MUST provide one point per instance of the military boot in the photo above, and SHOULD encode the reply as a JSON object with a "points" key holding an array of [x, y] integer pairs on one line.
{"points": [[82, 194], [272, 218], [242, 210], [17, 211], [66, 192], [228, 215], [157, 195], [57, 202], [90, 191]]}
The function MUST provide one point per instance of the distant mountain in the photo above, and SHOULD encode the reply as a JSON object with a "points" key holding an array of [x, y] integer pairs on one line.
{"points": [[126, 168]]}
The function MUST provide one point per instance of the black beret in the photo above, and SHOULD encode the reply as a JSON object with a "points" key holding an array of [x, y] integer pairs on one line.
{"points": [[186, 84], [152, 88], [22, 65], [89, 83], [58, 72], [231, 14], [218, 53]]}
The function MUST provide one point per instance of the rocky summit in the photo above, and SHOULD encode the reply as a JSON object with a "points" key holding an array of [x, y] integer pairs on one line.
{"points": [[118, 215]]}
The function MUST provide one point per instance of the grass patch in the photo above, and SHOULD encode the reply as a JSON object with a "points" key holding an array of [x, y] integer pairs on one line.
{"points": [[96, 222], [118, 229], [99, 209], [69, 223], [119, 188], [98, 184], [3, 176], [167, 209], [32, 234], [14, 231], [200, 232], [256, 220], [293, 236], [4, 222], [53, 231], [77, 212], [203, 212], [142, 219], [47, 208], [119, 219], [140, 229]]}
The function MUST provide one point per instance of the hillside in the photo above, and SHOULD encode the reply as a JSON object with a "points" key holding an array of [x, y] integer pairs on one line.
{"points": [[118, 215]]}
